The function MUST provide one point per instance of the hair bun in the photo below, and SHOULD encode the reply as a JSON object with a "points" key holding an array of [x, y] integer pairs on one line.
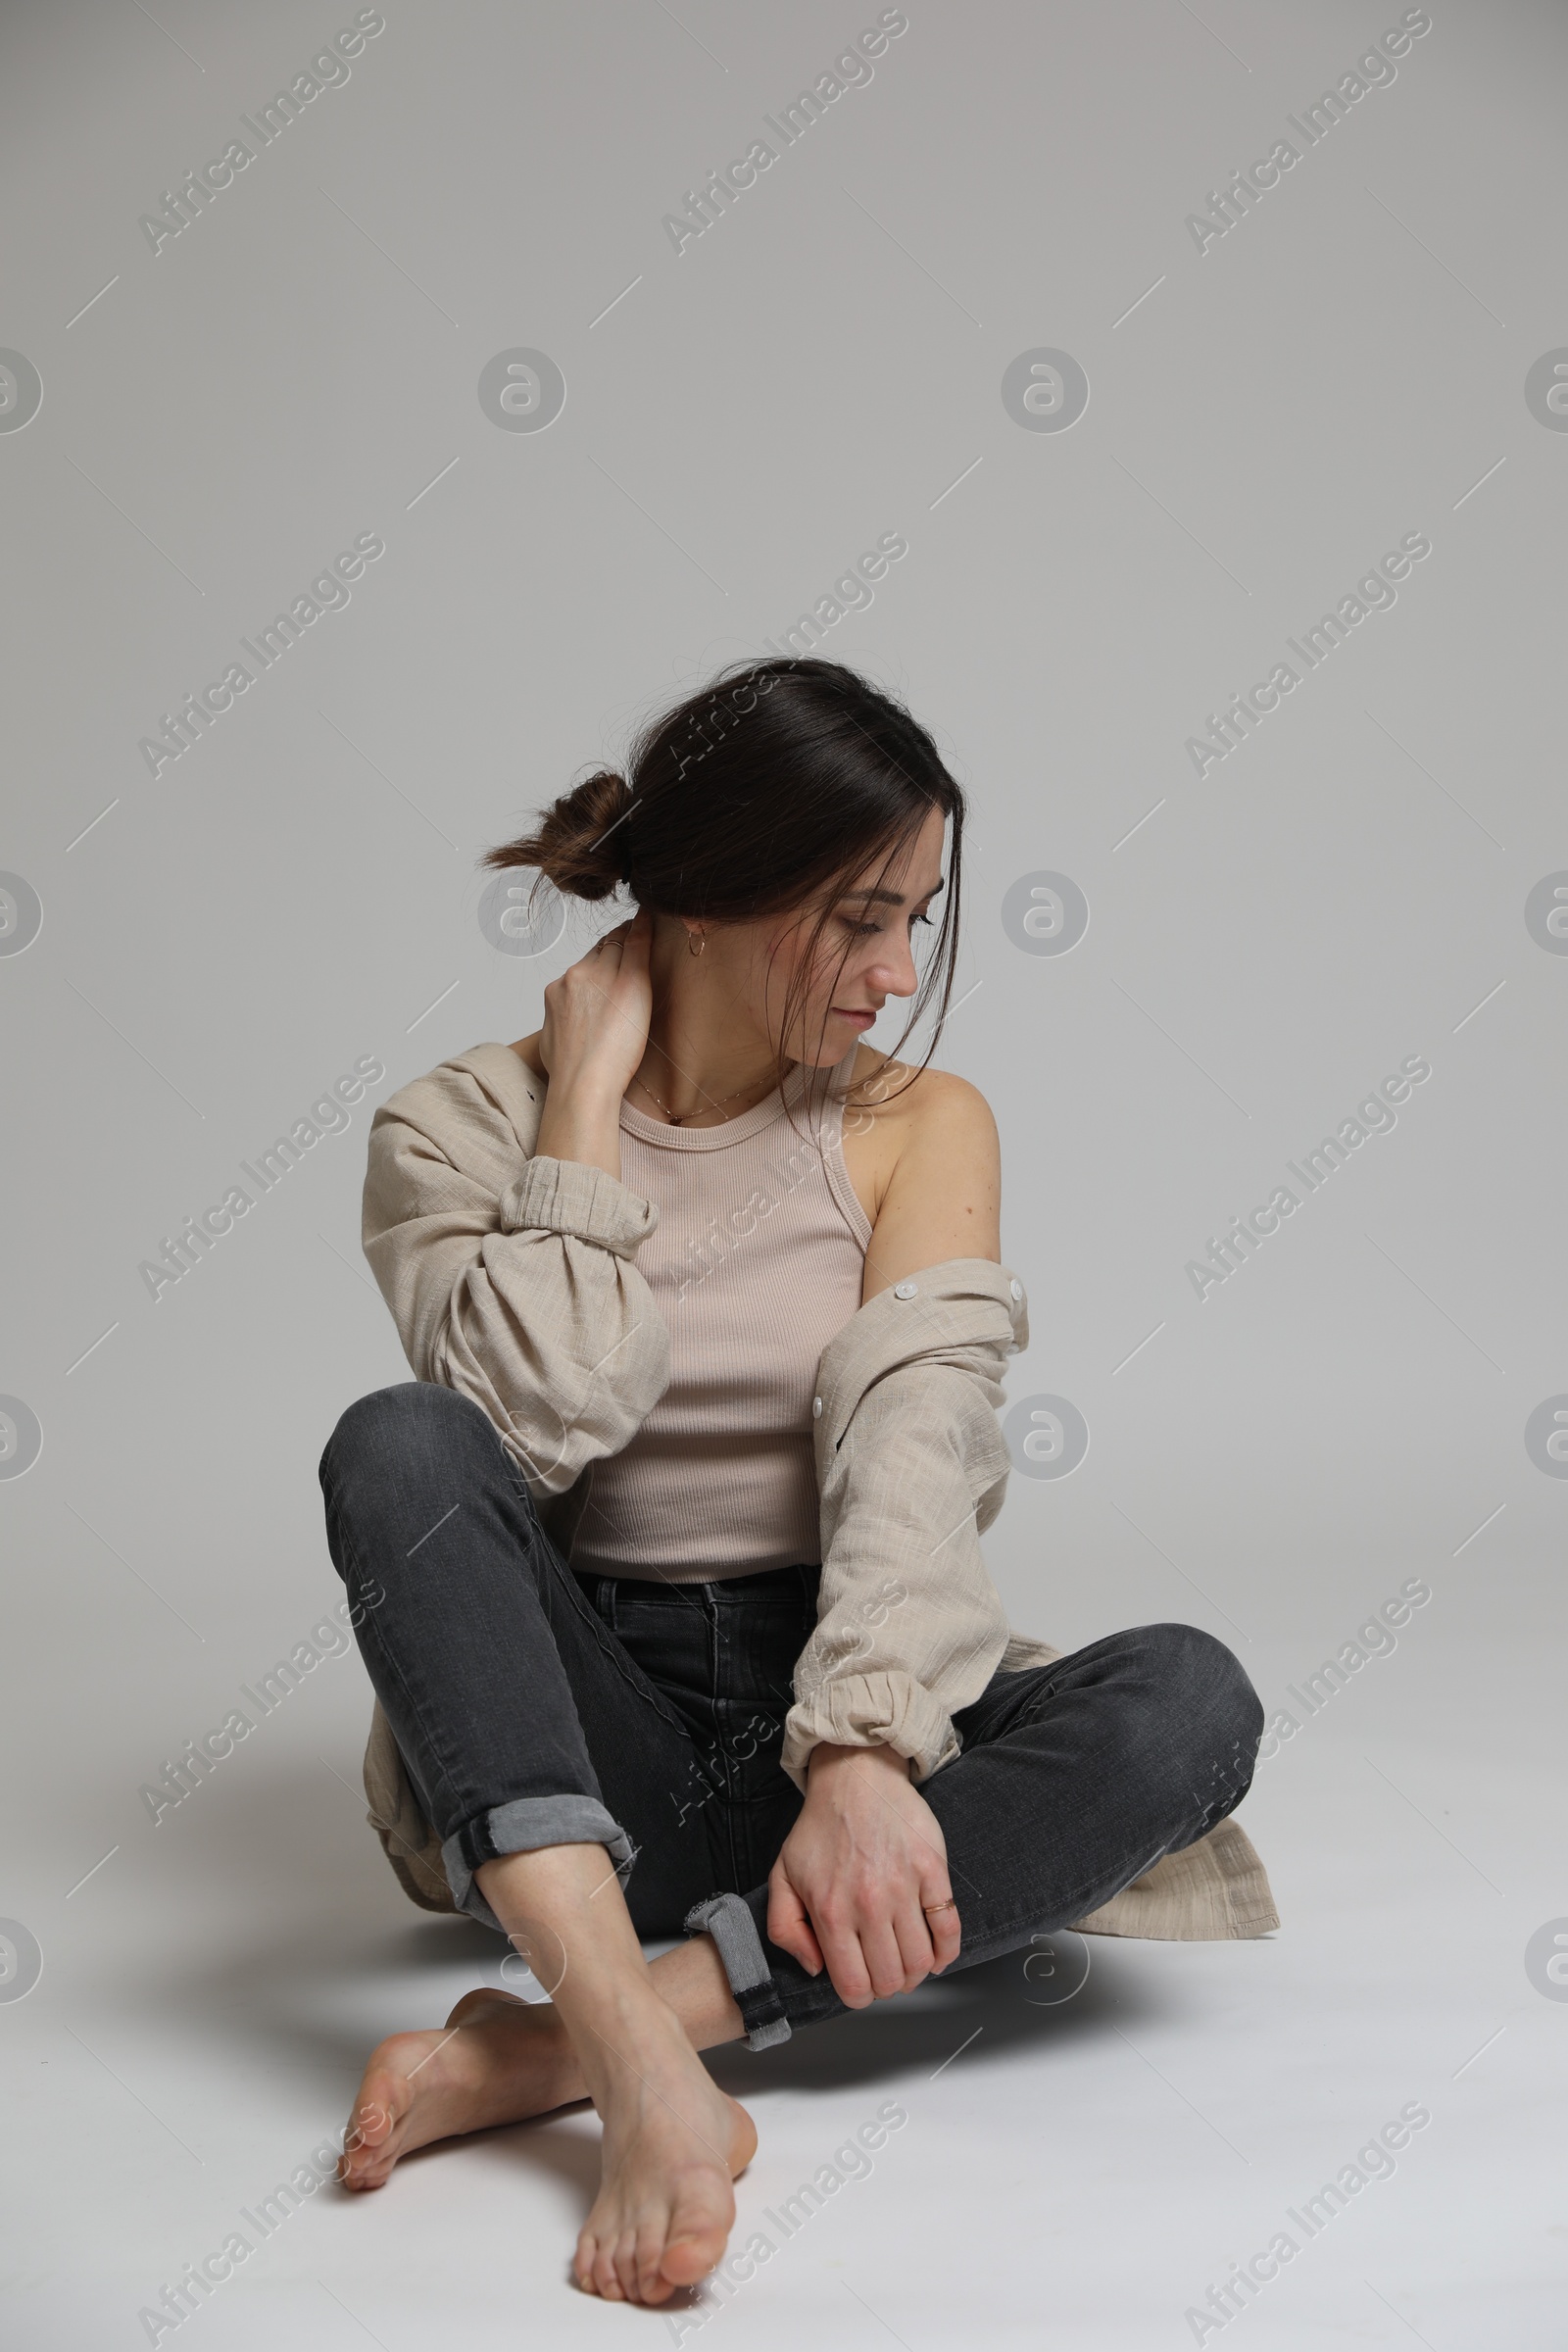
{"points": [[582, 843]]}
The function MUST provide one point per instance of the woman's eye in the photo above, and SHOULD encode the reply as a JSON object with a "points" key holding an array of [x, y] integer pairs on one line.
{"points": [[865, 930]]}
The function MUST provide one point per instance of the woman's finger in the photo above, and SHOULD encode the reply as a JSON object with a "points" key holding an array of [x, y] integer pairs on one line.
{"points": [[789, 1924], [847, 1968], [915, 1941], [940, 1915], [884, 1960]]}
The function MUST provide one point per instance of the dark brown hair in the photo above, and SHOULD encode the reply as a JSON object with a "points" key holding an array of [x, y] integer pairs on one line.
{"points": [[779, 779]]}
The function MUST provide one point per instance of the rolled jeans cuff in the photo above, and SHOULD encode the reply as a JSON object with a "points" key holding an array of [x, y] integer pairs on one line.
{"points": [[729, 1922], [521, 1827]]}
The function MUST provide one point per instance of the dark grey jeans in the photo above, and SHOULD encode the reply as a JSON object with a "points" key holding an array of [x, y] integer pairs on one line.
{"points": [[535, 1707]]}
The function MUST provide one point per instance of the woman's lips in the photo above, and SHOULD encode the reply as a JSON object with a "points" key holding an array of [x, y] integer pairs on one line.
{"points": [[862, 1020]]}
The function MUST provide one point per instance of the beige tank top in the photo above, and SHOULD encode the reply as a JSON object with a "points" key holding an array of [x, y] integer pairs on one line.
{"points": [[757, 1261]]}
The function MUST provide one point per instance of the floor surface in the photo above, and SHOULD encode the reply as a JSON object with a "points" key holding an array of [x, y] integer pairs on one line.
{"points": [[1084, 2159]]}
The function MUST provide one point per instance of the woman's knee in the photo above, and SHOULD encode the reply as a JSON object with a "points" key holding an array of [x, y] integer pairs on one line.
{"points": [[1200, 1681], [410, 1420]]}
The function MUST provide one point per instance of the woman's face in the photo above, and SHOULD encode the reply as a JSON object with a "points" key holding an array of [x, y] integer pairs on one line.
{"points": [[867, 952]]}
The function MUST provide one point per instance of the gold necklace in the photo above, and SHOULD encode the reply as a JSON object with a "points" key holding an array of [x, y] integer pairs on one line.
{"points": [[678, 1118]]}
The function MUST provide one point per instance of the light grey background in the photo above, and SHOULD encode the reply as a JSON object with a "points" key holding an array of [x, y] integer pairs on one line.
{"points": [[1265, 943]]}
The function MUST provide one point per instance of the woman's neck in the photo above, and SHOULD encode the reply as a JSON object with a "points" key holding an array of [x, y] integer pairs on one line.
{"points": [[706, 1060], [688, 1078]]}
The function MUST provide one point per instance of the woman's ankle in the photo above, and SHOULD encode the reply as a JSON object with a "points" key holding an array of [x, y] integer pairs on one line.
{"points": [[563, 1911], [630, 2041]]}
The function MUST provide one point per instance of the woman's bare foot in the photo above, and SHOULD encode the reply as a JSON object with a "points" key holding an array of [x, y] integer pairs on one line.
{"points": [[498, 2060], [673, 2142]]}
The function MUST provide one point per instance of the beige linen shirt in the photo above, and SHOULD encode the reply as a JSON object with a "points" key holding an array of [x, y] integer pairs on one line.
{"points": [[514, 1280]]}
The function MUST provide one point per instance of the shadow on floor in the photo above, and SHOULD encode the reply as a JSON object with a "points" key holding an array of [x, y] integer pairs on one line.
{"points": [[312, 1987], [993, 2003]]}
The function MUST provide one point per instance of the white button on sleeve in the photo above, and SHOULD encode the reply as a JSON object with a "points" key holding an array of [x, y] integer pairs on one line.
{"points": [[817, 1408], [904, 1289], [1016, 1287]]}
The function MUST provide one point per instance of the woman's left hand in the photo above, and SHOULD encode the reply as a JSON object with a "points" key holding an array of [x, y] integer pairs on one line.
{"points": [[860, 1885]]}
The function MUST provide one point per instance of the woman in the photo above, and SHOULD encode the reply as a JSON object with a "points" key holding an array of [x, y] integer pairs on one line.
{"points": [[705, 1413]]}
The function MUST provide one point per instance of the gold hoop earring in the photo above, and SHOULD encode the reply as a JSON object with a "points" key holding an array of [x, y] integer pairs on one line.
{"points": [[701, 941]]}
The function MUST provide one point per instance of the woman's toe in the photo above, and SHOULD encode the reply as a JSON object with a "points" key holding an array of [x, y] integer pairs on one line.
{"points": [[652, 2284], [695, 2246], [626, 2265]]}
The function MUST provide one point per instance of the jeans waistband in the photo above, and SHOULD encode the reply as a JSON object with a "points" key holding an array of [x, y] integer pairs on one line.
{"points": [[725, 1590]]}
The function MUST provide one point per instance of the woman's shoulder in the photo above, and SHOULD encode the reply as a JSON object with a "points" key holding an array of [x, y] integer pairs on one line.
{"points": [[915, 1099], [920, 1142]]}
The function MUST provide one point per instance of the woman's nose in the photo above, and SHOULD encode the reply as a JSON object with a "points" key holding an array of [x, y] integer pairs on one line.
{"points": [[893, 973]]}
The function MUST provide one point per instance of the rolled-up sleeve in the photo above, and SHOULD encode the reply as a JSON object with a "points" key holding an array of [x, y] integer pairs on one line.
{"points": [[512, 1280]]}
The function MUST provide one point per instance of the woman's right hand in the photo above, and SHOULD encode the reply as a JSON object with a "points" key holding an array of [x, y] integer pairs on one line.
{"points": [[592, 1044], [597, 1012]]}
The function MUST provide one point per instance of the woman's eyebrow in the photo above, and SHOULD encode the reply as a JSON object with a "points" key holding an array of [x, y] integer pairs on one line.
{"points": [[894, 897]]}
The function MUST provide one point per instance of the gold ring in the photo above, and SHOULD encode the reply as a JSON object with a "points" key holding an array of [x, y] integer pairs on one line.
{"points": [[946, 1906]]}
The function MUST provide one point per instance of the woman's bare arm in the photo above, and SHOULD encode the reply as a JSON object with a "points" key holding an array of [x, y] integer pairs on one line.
{"points": [[943, 1195], [866, 1855]]}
